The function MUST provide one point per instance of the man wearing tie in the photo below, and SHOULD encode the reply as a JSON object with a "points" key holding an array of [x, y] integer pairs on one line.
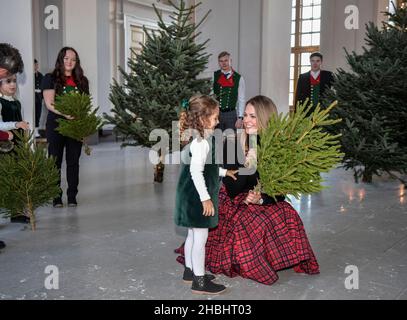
{"points": [[229, 90]]}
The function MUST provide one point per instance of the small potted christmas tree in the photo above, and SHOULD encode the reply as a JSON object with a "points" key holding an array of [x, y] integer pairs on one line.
{"points": [[28, 179]]}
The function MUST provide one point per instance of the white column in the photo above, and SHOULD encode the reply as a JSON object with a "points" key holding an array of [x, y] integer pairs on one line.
{"points": [[16, 28], [103, 55], [80, 32], [250, 37], [335, 36], [222, 28], [382, 6], [276, 52]]}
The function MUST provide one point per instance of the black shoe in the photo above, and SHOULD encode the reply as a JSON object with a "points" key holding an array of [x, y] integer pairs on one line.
{"points": [[201, 285], [57, 203], [2, 245], [189, 276], [72, 202], [20, 219]]}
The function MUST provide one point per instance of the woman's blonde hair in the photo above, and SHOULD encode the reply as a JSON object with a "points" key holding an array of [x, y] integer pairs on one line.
{"points": [[200, 108], [264, 108]]}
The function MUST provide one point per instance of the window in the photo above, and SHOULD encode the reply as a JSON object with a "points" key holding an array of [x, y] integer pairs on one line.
{"points": [[305, 39]]}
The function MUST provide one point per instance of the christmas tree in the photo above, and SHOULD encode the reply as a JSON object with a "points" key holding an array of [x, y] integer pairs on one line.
{"points": [[85, 120], [28, 179], [372, 102], [294, 150], [161, 76]]}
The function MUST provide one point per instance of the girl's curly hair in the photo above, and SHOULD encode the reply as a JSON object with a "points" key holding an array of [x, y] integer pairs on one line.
{"points": [[201, 107]]}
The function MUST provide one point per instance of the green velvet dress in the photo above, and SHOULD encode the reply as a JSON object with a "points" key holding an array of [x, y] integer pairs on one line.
{"points": [[188, 206]]}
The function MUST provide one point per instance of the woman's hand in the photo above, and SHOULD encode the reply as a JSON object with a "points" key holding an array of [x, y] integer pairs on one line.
{"points": [[23, 125], [253, 197], [208, 208], [231, 173], [10, 135], [69, 117], [251, 159]]}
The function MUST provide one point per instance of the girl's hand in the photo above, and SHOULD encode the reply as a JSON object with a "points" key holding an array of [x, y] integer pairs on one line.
{"points": [[23, 125], [253, 197], [69, 117], [10, 135], [208, 208], [231, 173]]}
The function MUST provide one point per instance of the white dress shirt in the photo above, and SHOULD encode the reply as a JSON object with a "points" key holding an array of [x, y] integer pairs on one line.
{"points": [[315, 75]]}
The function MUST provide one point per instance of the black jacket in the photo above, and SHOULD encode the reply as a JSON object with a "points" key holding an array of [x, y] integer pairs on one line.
{"points": [[304, 85]]}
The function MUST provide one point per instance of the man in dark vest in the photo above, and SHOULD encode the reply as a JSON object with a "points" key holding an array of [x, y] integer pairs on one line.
{"points": [[313, 84], [229, 90]]}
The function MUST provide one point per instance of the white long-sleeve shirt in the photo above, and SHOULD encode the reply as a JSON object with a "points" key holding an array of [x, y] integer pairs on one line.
{"points": [[6, 126], [200, 151]]}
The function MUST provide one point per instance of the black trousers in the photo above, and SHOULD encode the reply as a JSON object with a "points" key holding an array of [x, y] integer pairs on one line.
{"points": [[227, 120], [38, 109], [73, 148]]}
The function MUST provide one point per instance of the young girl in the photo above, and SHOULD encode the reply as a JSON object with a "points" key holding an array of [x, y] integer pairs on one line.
{"points": [[11, 117], [67, 76], [10, 108], [197, 190]]}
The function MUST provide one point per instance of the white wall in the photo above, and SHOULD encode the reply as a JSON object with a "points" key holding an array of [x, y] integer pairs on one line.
{"points": [[234, 26], [80, 32], [250, 45], [276, 52], [16, 28], [334, 35], [47, 43], [222, 29]]}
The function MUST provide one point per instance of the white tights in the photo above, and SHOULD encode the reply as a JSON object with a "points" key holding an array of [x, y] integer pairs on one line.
{"points": [[194, 250]]}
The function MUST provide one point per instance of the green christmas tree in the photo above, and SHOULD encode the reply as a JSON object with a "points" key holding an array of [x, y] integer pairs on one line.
{"points": [[372, 102], [28, 179], [294, 150], [161, 76], [85, 120]]}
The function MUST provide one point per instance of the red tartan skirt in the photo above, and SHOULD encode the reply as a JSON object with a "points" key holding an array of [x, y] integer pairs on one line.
{"points": [[255, 242]]}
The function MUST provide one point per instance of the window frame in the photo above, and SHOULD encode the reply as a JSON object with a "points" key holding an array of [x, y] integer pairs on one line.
{"points": [[298, 49]]}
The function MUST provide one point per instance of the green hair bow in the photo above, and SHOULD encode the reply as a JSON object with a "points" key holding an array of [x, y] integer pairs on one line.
{"points": [[185, 104]]}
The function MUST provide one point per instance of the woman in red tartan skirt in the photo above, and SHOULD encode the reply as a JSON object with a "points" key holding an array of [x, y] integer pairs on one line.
{"points": [[256, 236]]}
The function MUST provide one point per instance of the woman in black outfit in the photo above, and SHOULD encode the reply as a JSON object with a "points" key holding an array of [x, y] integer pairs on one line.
{"points": [[68, 76]]}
